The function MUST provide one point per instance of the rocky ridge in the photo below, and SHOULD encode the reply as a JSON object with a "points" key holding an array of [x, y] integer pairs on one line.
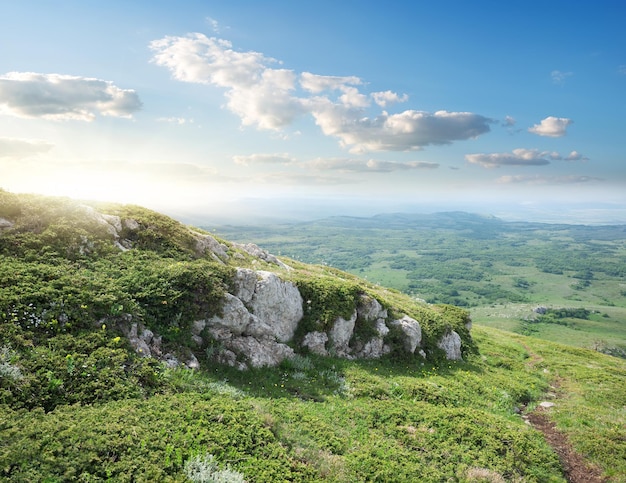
{"points": [[260, 316], [261, 320]]}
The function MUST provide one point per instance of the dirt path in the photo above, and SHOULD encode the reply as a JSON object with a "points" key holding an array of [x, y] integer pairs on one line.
{"points": [[576, 468]]}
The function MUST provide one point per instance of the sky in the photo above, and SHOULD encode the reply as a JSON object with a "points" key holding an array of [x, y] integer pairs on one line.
{"points": [[237, 110]]}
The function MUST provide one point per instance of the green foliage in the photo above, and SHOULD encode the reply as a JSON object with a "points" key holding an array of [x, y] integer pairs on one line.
{"points": [[77, 404], [81, 368], [156, 232], [141, 440], [325, 299]]}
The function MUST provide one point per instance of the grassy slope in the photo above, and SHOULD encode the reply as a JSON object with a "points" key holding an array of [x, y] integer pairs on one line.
{"points": [[337, 420], [500, 271], [113, 416]]}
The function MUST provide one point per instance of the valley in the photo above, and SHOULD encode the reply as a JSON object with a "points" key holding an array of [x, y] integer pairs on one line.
{"points": [[500, 271]]}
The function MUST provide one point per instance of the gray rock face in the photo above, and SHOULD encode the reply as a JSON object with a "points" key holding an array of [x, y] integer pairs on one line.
{"points": [[412, 330], [208, 244], [260, 353], [341, 333], [278, 304], [451, 345], [316, 342], [370, 309], [235, 316], [4, 224], [245, 284], [261, 254]]}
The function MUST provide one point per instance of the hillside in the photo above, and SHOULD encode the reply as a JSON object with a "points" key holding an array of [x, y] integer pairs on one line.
{"points": [[134, 348], [500, 271]]}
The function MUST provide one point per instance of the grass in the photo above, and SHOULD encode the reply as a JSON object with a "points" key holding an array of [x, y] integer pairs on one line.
{"points": [[77, 404], [325, 419]]}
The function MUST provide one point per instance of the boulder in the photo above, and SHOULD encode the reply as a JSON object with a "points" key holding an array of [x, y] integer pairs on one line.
{"points": [[235, 316], [261, 254], [451, 345], [278, 304], [316, 342], [412, 331], [375, 347], [260, 352], [245, 284], [206, 243], [341, 333], [370, 309], [5, 224]]}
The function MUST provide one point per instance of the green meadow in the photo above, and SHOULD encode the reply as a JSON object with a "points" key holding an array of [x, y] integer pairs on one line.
{"points": [[500, 271], [77, 403]]}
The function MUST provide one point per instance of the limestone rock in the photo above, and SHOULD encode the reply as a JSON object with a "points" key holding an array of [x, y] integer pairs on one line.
{"points": [[278, 304], [131, 224], [261, 254], [260, 353], [375, 347], [451, 345], [370, 309], [245, 284], [235, 316], [316, 342], [341, 333], [206, 243], [5, 224], [412, 331]]}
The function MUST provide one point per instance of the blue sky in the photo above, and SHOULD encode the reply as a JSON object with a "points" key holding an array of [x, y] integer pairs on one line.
{"points": [[278, 108]]}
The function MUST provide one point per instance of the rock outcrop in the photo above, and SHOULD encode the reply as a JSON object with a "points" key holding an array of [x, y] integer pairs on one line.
{"points": [[260, 316]]}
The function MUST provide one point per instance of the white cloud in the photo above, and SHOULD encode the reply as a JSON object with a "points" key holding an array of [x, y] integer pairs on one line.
{"points": [[383, 99], [175, 120], [406, 131], [509, 121], [559, 77], [270, 98], [63, 97], [284, 159], [537, 180], [318, 83], [519, 157], [551, 126], [367, 166], [259, 95], [12, 148], [575, 156]]}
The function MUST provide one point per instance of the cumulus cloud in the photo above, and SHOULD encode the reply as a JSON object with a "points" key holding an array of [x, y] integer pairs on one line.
{"points": [[521, 157], [536, 180], [272, 98], [383, 99], [63, 97], [406, 131], [175, 120], [558, 77], [252, 159], [367, 166], [12, 148], [509, 121], [551, 126]]}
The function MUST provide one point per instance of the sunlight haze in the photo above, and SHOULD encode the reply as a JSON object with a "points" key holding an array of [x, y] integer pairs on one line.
{"points": [[243, 109]]}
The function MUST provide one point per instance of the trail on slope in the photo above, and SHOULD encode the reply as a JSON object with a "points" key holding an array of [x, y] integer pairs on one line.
{"points": [[575, 467]]}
